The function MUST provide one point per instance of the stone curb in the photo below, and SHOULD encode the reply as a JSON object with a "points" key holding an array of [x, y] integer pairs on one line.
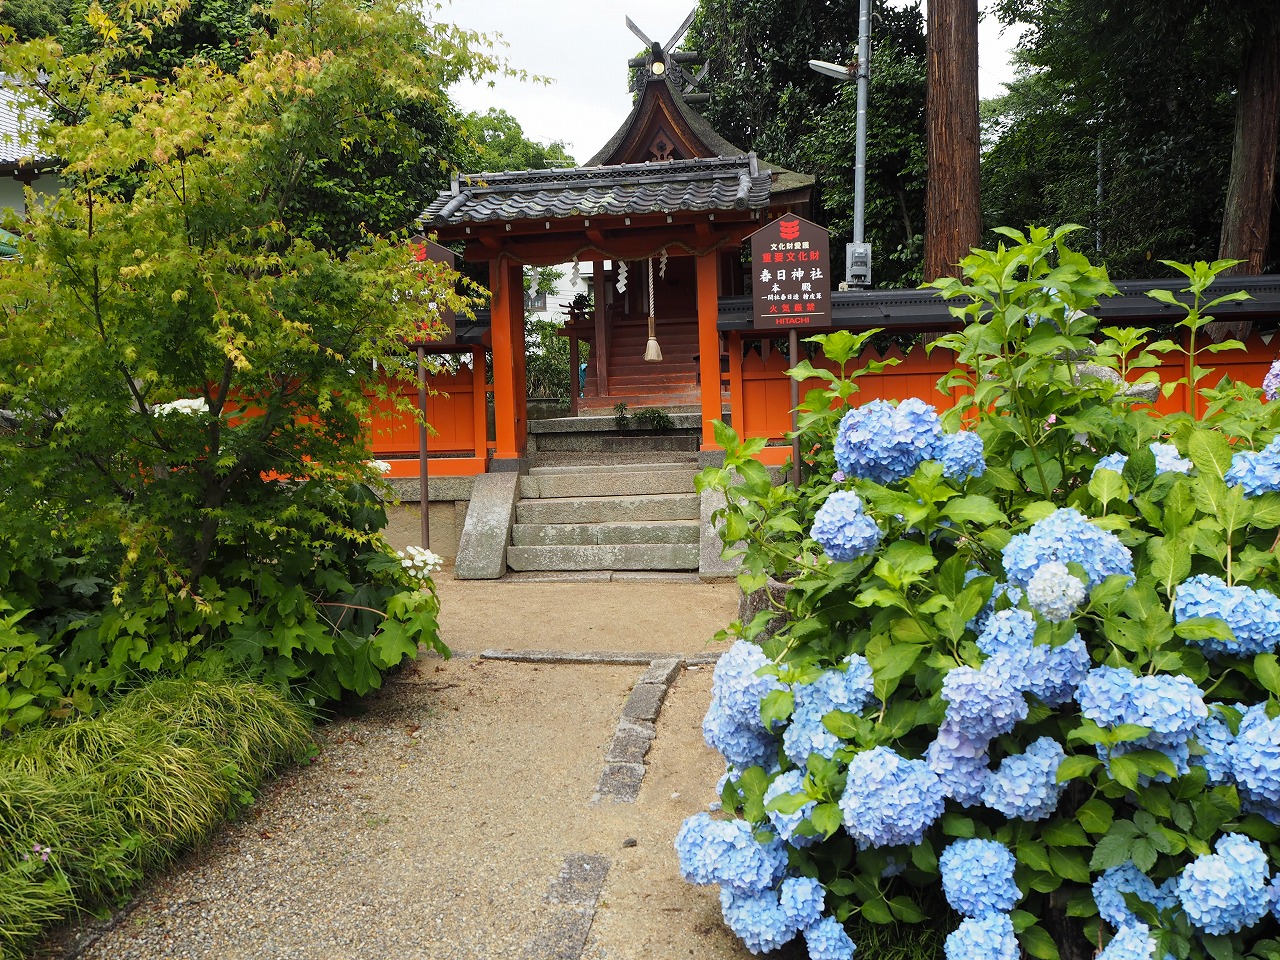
{"points": [[598, 657]]}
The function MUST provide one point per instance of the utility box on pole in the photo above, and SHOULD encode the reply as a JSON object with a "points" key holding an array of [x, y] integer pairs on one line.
{"points": [[857, 264]]}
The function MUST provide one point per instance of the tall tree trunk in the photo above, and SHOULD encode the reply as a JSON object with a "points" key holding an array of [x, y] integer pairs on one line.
{"points": [[952, 211], [1246, 222]]}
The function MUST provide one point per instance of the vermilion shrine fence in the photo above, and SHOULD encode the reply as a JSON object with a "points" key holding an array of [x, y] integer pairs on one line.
{"points": [[759, 398]]}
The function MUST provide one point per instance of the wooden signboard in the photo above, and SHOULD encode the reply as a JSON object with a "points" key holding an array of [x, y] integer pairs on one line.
{"points": [[791, 271], [429, 250]]}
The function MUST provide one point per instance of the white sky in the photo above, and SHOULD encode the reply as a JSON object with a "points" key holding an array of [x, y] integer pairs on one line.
{"points": [[583, 45]]}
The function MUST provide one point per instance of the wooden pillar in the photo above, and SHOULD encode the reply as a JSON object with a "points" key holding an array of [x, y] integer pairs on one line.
{"points": [[518, 347], [507, 297], [709, 345], [478, 404], [600, 349], [737, 402], [574, 378]]}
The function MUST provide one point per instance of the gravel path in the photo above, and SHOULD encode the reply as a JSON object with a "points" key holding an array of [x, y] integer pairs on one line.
{"points": [[460, 818]]}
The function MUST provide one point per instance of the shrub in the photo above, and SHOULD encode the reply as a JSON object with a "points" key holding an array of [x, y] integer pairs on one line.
{"points": [[1048, 681]]}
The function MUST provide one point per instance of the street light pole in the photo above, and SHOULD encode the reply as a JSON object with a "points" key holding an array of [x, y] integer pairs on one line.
{"points": [[863, 75]]}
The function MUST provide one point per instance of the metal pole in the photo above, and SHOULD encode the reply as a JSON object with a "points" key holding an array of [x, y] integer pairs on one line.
{"points": [[795, 415], [860, 152], [424, 502]]}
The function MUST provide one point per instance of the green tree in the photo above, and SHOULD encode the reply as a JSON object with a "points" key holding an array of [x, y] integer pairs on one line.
{"points": [[765, 98], [176, 266], [1124, 120], [498, 143]]}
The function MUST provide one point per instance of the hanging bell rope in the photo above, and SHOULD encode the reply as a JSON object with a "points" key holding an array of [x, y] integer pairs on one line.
{"points": [[652, 352]]}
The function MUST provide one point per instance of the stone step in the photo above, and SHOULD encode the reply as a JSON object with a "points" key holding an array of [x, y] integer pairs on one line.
{"points": [[639, 443], [648, 466], [621, 483], [591, 534], [657, 506], [640, 400], [618, 556]]}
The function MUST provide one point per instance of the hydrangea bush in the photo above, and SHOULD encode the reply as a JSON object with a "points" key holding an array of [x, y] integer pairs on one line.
{"points": [[1025, 683]]}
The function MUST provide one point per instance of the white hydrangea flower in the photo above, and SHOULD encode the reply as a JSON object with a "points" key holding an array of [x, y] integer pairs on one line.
{"points": [[419, 563], [187, 407], [381, 466], [1054, 592]]}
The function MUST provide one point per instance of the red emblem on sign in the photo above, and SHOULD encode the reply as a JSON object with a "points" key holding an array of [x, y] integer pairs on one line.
{"points": [[789, 229]]}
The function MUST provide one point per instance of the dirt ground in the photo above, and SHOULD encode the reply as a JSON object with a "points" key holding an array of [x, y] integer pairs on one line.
{"points": [[442, 822]]}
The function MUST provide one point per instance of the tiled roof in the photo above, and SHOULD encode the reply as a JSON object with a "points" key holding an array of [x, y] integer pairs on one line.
{"points": [[716, 183]]}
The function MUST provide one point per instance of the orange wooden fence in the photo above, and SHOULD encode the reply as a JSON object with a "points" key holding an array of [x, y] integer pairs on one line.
{"points": [[760, 398], [456, 404]]}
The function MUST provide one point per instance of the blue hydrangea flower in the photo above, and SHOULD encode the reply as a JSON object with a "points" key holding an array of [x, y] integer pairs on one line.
{"points": [[1110, 888], [846, 689], [1054, 593], [1258, 472], [960, 763], [1054, 673], [1215, 737], [977, 877], [986, 701], [1010, 631], [726, 852], [1066, 535], [1169, 705], [1025, 786], [1255, 759], [1226, 891], [961, 455], [807, 735], [802, 900], [1168, 460], [1271, 382], [1132, 942], [885, 443], [785, 823], [1252, 615], [979, 623], [888, 799], [990, 937], [843, 530], [827, 940], [732, 724], [757, 918]]}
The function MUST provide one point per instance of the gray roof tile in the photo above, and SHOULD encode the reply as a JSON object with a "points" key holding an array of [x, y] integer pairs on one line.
{"points": [[715, 183]]}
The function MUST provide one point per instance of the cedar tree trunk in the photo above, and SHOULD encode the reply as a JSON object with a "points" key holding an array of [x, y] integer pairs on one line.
{"points": [[952, 211], [1246, 222]]}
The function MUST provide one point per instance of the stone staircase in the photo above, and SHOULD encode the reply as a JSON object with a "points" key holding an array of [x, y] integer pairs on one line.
{"points": [[625, 516], [671, 382]]}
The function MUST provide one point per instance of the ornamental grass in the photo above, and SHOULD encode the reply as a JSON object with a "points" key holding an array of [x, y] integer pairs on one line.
{"points": [[87, 808]]}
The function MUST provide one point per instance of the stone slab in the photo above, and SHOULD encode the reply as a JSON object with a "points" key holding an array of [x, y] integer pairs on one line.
{"points": [[588, 534], [580, 880], [408, 489], [482, 548], [612, 484], [606, 424], [710, 545], [628, 747], [630, 556], [621, 782], [661, 671], [659, 506], [570, 657], [645, 701], [648, 466]]}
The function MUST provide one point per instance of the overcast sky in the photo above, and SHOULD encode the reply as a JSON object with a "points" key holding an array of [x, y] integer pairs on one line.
{"points": [[583, 45]]}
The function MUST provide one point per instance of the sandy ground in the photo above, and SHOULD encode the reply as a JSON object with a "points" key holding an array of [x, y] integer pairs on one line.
{"points": [[436, 825]]}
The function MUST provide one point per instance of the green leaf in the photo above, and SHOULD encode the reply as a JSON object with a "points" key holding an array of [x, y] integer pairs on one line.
{"points": [[1107, 486], [877, 911], [1069, 864], [1111, 851], [956, 825], [1065, 833], [1076, 766], [826, 818], [1204, 628], [974, 509], [1267, 669], [906, 910], [890, 663], [1210, 451], [1095, 816], [788, 803], [776, 707], [1037, 942]]}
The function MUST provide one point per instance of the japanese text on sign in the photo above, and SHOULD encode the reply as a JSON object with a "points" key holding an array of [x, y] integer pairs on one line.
{"points": [[791, 270]]}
